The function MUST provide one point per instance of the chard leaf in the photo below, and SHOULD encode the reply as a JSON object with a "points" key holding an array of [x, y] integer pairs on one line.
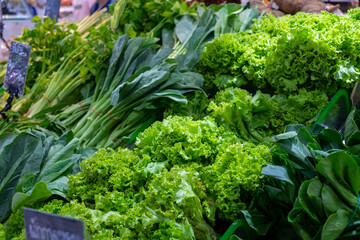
{"points": [[335, 225], [167, 38], [246, 18], [330, 139], [277, 172], [5, 139], [342, 173], [23, 156], [185, 28], [117, 51], [39, 193], [62, 152], [331, 201], [257, 221]]}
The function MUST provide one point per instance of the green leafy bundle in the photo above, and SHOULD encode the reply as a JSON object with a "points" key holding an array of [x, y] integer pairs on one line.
{"points": [[138, 85], [284, 55], [261, 116], [77, 73], [35, 167], [313, 183], [147, 18], [50, 44]]}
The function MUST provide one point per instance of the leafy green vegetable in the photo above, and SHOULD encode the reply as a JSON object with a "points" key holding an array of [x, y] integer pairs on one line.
{"points": [[35, 167], [316, 184], [284, 55], [147, 18], [230, 170], [234, 177], [260, 116], [342, 176], [180, 140], [181, 173], [146, 198], [20, 157], [192, 34]]}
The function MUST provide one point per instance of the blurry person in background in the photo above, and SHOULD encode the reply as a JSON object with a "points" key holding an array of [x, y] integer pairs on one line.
{"points": [[40, 7], [82, 8], [100, 4], [35, 7], [29, 5]]}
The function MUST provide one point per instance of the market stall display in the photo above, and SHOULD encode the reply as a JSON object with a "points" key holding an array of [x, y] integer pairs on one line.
{"points": [[169, 120]]}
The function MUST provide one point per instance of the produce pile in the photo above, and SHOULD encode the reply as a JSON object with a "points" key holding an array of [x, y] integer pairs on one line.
{"points": [[163, 120]]}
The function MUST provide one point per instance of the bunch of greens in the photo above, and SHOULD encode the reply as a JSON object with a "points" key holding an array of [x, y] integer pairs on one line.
{"points": [[313, 183], [233, 179], [50, 43], [35, 167], [78, 71], [191, 34], [147, 18], [327, 206], [260, 116], [284, 55], [181, 140], [135, 88]]}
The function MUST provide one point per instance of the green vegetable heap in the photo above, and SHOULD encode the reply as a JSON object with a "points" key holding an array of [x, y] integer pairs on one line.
{"points": [[284, 55]]}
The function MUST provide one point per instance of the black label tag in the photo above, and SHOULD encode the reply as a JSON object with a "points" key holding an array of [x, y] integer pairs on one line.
{"points": [[52, 8], [45, 226], [17, 67]]}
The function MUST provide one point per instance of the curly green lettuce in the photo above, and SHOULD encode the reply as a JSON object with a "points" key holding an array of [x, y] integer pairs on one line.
{"points": [[255, 118], [287, 54], [234, 177], [180, 140], [107, 170]]}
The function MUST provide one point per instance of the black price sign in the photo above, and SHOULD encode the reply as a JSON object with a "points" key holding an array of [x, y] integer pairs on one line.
{"points": [[17, 68], [52, 8], [45, 226]]}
